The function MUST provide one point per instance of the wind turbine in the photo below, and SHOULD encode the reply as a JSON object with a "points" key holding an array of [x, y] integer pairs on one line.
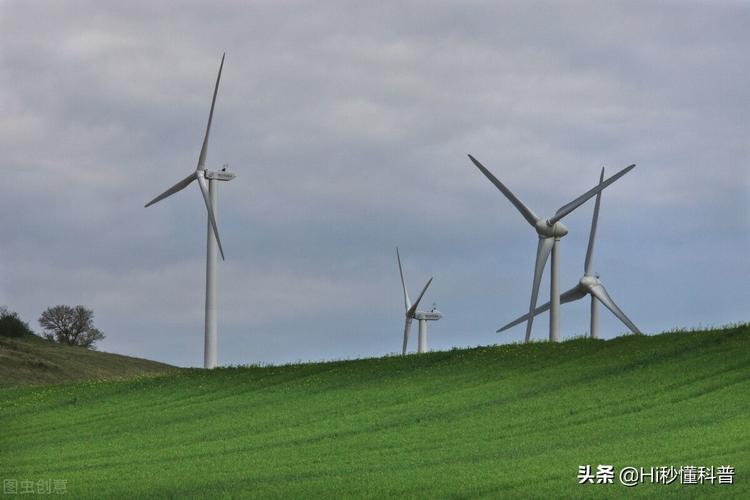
{"points": [[413, 313], [206, 181], [589, 284], [550, 231]]}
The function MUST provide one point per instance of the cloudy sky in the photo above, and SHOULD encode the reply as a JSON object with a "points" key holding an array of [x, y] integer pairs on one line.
{"points": [[348, 125]]}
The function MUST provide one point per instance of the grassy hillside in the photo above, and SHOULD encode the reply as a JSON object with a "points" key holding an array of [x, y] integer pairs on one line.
{"points": [[32, 360], [498, 422]]}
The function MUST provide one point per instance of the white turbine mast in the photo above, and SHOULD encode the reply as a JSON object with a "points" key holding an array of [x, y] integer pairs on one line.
{"points": [[206, 181], [589, 284], [412, 313], [550, 231]]}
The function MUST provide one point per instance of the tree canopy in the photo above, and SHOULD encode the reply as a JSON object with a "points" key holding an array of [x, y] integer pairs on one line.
{"points": [[70, 325], [11, 325]]}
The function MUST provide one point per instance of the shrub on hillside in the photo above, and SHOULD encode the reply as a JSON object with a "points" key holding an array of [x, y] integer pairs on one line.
{"points": [[11, 325], [70, 325]]}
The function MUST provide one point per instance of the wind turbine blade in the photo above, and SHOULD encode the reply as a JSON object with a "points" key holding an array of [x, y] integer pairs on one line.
{"points": [[574, 293], [407, 302], [204, 189], [542, 252], [204, 148], [407, 328], [523, 318], [413, 309], [525, 211], [177, 187], [601, 293], [566, 209], [592, 234]]}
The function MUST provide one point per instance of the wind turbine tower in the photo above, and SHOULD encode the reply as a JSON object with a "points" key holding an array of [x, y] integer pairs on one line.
{"points": [[412, 313], [550, 231], [207, 182]]}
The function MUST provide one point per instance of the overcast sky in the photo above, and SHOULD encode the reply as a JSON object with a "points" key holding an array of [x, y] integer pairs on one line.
{"points": [[348, 126]]}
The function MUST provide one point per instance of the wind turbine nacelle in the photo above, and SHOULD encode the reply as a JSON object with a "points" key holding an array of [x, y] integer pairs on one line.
{"points": [[428, 315], [556, 230], [223, 175]]}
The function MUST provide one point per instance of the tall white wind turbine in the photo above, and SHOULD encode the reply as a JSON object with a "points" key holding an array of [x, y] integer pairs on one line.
{"points": [[413, 313], [206, 182], [589, 284], [550, 231]]}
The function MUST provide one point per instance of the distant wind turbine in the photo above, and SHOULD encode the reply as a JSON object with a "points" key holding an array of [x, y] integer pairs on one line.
{"points": [[412, 313], [206, 180], [550, 231], [589, 284]]}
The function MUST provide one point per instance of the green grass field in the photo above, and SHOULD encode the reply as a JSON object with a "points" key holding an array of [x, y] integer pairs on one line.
{"points": [[496, 422]]}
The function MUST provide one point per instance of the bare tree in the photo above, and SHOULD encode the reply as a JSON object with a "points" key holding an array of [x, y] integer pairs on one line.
{"points": [[70, 325]]}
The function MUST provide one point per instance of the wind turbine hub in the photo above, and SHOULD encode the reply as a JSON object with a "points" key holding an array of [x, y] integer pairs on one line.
{"points": [[547, 230], [589, 281]]}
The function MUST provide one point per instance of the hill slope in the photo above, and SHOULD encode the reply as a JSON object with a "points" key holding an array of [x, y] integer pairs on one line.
{"points": [[504, 421], [32, 360]]}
